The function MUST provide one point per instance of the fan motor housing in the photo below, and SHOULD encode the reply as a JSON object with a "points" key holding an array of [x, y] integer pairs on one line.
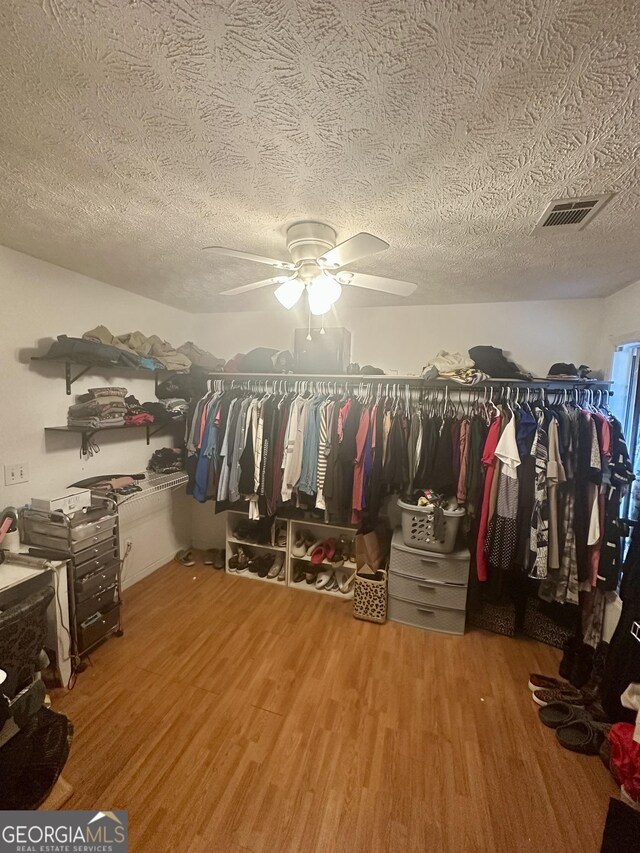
{"points": [[306, 241]]}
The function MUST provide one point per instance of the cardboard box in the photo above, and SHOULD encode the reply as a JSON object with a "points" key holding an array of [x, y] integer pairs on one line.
{"points": [[69, 502]]}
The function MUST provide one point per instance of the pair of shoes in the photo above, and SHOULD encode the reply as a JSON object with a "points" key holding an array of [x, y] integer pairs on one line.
{"points": [[567, 694], [348, 547], [214, 557], [537, 681], [280, 537], [246, 531], [185, 557], [239, 562], [277, 567], [304, 544], [576, 729], [328, 551]]}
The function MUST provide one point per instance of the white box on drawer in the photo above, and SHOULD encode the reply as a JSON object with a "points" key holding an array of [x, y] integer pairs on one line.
{"points": [[444, 568], [69, 502]]}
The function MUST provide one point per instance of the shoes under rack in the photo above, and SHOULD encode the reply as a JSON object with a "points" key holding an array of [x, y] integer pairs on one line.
{"points": [[292, 527]]}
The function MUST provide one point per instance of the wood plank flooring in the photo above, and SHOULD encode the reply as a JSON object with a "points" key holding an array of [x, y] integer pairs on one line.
{"points": [[233, 716]]}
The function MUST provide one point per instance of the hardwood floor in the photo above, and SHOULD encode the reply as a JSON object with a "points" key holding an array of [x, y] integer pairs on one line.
{"points": [[233, 716]]}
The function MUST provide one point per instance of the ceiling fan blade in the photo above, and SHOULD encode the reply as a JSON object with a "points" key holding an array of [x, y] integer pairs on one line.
{"points": [[255, 285], [376, 282], [356, 247], [247, 256]]}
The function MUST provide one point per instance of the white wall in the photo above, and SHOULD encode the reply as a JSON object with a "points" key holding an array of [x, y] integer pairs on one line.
{"points": [[621, 320], [403, 339], [40, 300]]}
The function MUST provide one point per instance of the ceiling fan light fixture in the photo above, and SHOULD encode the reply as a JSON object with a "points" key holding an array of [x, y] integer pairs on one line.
{"points": [[323, 292], [289, 292]]}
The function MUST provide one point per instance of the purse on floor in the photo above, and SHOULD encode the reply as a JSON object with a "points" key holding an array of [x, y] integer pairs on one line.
{"points": [[370, 595]]}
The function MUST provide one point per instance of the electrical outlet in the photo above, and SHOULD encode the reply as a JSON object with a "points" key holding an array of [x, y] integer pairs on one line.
{"points": [[17, 473]]}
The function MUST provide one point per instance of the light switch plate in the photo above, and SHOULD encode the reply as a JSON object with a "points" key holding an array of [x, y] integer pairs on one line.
{"points": [[16, 473]]}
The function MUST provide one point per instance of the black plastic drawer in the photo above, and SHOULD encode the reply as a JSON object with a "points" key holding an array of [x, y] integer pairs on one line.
{"points": [[96, 558], [96, 582], [97, 627], [102, 602]]}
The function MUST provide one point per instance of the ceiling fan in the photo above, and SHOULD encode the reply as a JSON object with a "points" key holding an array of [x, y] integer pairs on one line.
{"points": [[317, 266]]}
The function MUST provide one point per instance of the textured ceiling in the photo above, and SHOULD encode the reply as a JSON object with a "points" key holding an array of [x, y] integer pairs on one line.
{"points": [[134, 133]]}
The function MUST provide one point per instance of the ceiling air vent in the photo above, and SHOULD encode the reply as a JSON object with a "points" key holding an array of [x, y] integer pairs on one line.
{"points": [[571, 213]]}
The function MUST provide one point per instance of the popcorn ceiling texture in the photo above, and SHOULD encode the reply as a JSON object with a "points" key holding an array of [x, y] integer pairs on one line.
{"points": [[134, 133]]}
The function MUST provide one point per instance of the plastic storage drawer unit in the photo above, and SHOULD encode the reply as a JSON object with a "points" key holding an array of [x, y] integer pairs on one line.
{"points": [[428, 590]]}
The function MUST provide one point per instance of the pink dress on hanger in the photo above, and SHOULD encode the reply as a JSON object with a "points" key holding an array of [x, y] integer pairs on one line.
{"points": [[489, 461]]}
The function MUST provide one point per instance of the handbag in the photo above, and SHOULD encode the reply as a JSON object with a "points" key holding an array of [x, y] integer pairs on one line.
{"points": [[370, 596]]}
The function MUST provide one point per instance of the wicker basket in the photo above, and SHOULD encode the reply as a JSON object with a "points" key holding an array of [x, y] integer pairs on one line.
{"points": [[370, 597], [417, 528]]}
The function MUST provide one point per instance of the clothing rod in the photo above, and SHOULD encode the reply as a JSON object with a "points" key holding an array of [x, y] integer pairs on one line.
{"points": [[388, 379]]}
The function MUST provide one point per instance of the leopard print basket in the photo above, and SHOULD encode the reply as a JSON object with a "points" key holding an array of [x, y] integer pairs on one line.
{"points": [[370, 598]]}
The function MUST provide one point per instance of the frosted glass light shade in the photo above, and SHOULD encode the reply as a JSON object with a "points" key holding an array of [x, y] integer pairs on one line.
{"points": [[289, 292], [323, 292]]}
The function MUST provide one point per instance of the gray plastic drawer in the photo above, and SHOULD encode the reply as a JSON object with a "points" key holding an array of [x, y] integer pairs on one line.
{"points": [[427, 592], [60, 544], [442, 568], [423, 616], [97, 627], [94, 558], [96, 582], [101, 602]]}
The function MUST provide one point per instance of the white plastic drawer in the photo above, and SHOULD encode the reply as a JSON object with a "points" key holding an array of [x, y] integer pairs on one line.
{"points": [[427, 592], [442, 568], [423, 616]]}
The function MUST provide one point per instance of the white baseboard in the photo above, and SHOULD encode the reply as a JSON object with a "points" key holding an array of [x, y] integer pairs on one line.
{"points": [[146, 571]]}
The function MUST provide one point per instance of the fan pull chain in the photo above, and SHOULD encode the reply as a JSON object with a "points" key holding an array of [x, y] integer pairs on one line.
{"points": [[322, 331], [309, 332]]}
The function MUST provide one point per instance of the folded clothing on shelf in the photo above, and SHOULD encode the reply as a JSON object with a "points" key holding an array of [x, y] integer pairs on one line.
{"points": [[166, 460], [100, 408]]}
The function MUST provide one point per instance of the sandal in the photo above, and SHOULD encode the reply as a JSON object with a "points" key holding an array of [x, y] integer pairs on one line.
{"points": [[583, 736], [185, 557], [557, 714]]}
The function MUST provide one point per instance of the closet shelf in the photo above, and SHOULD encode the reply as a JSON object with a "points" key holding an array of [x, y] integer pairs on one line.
{"points": [[323, 563], [154, 484], [87, 366], [311, 587], [88, 432], [244, 542]]}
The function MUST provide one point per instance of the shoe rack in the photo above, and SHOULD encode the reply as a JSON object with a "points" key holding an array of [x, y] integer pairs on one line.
{"points": [[234, 517], [293, 527], [322, 532]]}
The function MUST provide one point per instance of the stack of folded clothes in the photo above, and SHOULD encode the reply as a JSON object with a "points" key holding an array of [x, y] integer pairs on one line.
{"points": [[167, 460], [100, 408], [176, 406], [136, 414]]}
